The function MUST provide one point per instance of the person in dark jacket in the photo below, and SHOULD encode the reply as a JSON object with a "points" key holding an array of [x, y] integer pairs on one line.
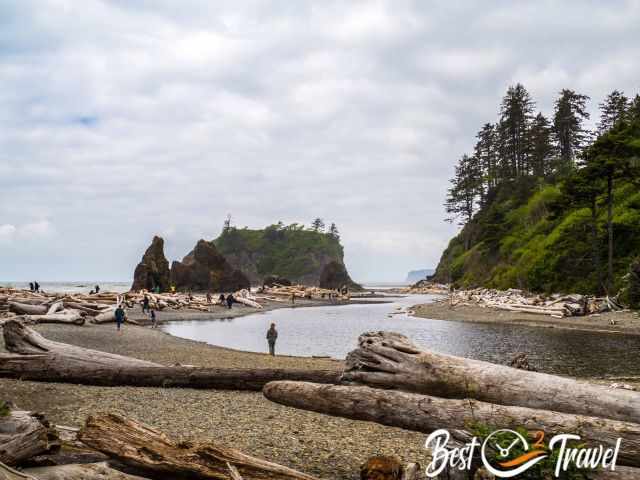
{"points": [[36, 287], [154, 319], [145, 304], [272, 336], [120, 317], [31, 286], [230, 300]]}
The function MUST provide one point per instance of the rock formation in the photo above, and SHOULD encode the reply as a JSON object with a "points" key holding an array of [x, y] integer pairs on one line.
{"points": [[334, 275], [205, 269], [153, 269], [272, 280]]}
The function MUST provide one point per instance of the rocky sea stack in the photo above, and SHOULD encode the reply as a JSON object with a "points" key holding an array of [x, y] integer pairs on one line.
{"points": [[153, 270]]}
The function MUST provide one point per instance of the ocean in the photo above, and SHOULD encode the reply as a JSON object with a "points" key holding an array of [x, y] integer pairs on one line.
{"points": [[73, 287]]}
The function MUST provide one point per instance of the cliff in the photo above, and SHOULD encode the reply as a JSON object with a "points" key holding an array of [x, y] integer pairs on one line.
{"points": [[153, 269]]}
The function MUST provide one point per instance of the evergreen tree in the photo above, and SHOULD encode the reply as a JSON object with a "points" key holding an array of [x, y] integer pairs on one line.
{"points": [[317, 225], [516, 113], [486, 153], [569, 132], [227, 224], [613, 109], [461, 196], [541, 149], [333, 231], [634, 109]]}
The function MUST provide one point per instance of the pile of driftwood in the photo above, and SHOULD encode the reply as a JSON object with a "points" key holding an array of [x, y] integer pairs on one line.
{"points": [[283, 292], [424, 287], [556, 305]]}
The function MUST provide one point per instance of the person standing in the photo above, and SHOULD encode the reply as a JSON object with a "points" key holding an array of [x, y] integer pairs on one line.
{"points": [[97, 289], [272, 336], [230, 300], [120, 317], [145, 304], [31, 287], [208, 297], [154, 319], [36, 287]]}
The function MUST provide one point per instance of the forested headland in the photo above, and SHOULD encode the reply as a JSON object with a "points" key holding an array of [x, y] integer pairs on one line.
{"points": [[547, 204]]}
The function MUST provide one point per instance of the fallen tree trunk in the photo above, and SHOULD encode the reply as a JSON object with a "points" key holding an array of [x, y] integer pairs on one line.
{"points": [[28, 309], [87, 471], [147, 449], [24, 435], [427, 414], [390, 360], [44, 360], [73, 318]]}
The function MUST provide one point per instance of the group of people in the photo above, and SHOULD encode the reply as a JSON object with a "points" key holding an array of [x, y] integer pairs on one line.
{"points": [[34, 287]]}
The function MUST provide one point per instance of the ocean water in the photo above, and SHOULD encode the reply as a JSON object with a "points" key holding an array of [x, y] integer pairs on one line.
{"points": [[84, 286]]}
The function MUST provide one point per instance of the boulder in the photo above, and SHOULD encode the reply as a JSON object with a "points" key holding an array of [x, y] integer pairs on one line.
{"points": [[153, 269], [205, 269]]}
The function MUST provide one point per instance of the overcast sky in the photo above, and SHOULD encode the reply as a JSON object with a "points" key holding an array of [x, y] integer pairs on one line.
{"points": [[124, 119]]}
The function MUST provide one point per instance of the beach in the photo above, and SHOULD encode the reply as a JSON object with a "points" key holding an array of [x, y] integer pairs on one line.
{"points": [[325, 446], [624, 321]]}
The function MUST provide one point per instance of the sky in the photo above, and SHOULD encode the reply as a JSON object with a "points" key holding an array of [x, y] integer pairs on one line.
{"points": [[124, 119]]}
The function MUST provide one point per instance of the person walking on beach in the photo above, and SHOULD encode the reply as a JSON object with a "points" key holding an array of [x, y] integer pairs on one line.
{"points": [[31, 287], [272, 336], [36, 287], [208, 297], [230, 300], [145, 304], [120, 317], [221, 299], [154, 319], [97, 289]]}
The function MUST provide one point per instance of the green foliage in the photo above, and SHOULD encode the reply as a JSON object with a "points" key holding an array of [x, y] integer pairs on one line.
{"points": [[541, 470], [288, 251], [4, 408]]}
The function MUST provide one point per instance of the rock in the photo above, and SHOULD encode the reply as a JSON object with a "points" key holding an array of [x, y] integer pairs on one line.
{"points": [[205, 269], [153, 269], [381, 467], [272, 280], [334, 275]]}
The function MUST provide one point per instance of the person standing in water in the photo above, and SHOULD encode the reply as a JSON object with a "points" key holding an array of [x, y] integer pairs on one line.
{"points": [[272, 336], [120, 317]]}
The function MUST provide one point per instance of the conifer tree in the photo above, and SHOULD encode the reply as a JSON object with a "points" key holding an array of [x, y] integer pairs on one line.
{"points": [[634, 109], [333, 231], [486, 153], [461, 196], [568, 129], [317, 225], [541, 151], [516, 113], [613, 109]]}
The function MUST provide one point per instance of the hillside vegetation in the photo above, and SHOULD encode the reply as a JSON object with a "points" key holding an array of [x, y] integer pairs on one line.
{"points": [[547, 205], [294, 252]]}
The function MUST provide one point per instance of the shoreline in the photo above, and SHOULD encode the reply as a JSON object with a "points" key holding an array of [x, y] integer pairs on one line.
{"points": [[626, 322]]}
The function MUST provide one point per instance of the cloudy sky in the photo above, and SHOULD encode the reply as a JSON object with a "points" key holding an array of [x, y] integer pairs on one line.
{"points": [[124, 119]]}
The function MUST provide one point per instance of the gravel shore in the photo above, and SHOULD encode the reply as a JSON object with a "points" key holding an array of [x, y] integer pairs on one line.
{"points": [[624, 322], [317, 444]]}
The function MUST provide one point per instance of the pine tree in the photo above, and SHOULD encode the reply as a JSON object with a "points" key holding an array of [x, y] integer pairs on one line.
{"points": [[227, 224], [516, 113], [461, 196], [541, 149], [317, 225], [569, 132], [333, 231], [613, 109]]}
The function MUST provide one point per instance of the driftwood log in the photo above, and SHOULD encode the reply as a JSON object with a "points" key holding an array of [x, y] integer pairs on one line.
{"points": [[426, 414], [33, 357], [24, 435], [389, 360], [151, 451], [70, 318], [87, 471], [28, 309]]}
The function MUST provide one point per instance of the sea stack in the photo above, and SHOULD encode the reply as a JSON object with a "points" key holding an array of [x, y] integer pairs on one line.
{"points": [[153, 269]]}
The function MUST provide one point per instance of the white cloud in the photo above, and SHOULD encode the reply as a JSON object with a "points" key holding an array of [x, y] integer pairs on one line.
{"points": [[150, 117]]}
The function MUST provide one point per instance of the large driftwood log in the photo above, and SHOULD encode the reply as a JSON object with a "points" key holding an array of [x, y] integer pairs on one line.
{"points": [[426, 414], [24, 435], [44, 360], [69, 318], [390, 360], [27, 309], [87, 471], [151, 451]]}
